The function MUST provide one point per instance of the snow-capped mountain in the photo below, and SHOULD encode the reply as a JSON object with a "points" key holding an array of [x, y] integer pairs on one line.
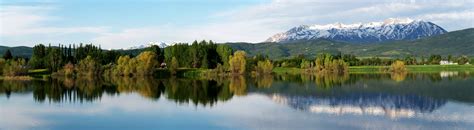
{"points": [[160, 44], [388, 30]]}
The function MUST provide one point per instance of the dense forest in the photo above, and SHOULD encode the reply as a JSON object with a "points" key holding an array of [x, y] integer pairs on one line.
{"points": [[91, 60]]}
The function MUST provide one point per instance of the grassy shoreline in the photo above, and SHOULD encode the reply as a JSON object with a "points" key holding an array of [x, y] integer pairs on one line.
{"points": [[378, 69], [192, 72]]}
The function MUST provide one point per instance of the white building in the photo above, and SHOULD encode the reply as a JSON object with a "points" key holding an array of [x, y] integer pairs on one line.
{"points": [[446, 62]]}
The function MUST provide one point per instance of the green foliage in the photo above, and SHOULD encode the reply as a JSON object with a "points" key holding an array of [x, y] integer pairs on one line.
{"points": [[305, 64], [37, 60], [462, 60], [197, 55], [124, 66], [13, 67], [292, 62], [410, 60], [68, 69], [398, 66], [264, 67], [174, 65], [237, 62], [88, 67], [224, 52], [158, 52], [2, 65], [325, 63], [146, 62], [220, 69], [142, 65], [434, 59]]}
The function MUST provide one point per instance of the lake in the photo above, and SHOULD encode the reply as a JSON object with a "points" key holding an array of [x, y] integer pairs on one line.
{"points": [[441, 100]]}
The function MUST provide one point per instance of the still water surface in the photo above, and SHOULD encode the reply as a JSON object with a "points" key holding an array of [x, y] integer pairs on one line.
{"points": [[442, 100]]}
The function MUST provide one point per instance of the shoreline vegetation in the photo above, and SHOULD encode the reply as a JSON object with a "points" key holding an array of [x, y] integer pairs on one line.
{"points": [[203, 58]]}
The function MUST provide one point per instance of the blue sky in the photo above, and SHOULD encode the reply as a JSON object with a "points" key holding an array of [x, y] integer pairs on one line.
{"points": [[129, 23]]}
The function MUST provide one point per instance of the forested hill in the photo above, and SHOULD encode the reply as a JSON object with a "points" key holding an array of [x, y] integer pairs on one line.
{"points": [[20, 51], [453, 43]]}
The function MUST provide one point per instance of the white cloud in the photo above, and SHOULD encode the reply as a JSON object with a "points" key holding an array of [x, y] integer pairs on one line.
{"points": [[284, 14], [25, 20], [29, 24], [463, 18]]}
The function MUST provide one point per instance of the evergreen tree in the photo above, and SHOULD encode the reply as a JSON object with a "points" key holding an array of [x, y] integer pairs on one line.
{"points": [[8, 55]]}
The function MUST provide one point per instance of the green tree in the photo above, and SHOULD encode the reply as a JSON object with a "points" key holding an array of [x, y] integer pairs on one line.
{"points": [[15, 67], [306, 65], [398, 66], [54, 59], [174, 66], [224, 52], [434, 59], [2, 65], [237, 62], [158, 52], [462, 60], [327, 64], [37, 59], [68, 69], [88, 67], [122, 68], [8, 55], [264, 67], [146, 63]]}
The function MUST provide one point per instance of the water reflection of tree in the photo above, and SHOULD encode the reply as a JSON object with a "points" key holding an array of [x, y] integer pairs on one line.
{"points": [[145, 86], [204, 92], [263, 81], [238, 85], [324, 80], [329, 80], [8, 86], [398, 76], [71, 90]]}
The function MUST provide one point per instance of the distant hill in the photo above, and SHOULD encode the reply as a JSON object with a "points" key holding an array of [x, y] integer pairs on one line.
{"points": [[21, 51], [26, 52], [453, 43]]}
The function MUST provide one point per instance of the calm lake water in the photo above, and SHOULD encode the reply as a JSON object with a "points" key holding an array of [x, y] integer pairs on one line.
{"points": [[443, 100]]}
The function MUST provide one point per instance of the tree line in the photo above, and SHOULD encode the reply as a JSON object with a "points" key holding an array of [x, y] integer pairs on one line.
{"points": [[88, 59], [302, 62]]}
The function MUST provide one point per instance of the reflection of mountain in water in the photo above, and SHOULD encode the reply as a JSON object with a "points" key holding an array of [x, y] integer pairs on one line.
{"points": [[370, 104]]}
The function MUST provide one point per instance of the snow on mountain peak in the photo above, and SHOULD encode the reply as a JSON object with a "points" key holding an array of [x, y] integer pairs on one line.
{"points": [[339, 25], [160, 44], [389, 29]]}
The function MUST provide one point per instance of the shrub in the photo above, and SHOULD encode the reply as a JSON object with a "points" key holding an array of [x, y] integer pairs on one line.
{"points": [[327, 64], [68, 69], [15, 67], [264, 67], [237, 62], [398, 66], [88, 66]]}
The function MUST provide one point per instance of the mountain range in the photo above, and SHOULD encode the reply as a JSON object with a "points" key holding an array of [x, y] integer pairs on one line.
{"points": [[389, 30], [391, 38], [459, 42]]}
